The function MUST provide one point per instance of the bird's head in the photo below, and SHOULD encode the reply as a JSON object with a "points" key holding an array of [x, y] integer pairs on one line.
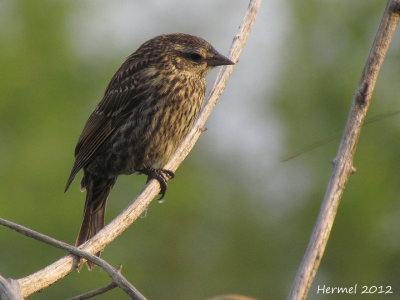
{"points": [[185, 53]]}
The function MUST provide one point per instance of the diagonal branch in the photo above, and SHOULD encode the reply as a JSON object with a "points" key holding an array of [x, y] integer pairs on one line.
{"points": [[115, 275], [343, 163], [50, 274], [95, 292]]}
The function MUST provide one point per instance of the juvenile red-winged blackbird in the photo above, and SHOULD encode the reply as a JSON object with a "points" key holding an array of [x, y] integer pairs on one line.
{"points": [[147, 110]]}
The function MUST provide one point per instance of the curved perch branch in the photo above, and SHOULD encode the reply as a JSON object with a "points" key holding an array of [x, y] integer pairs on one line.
{"points": [[52, 273]]}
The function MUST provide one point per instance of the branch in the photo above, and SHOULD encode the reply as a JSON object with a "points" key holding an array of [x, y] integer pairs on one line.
{"points": [[95, 292], [50, 274], [343, 163], [115, 275]]}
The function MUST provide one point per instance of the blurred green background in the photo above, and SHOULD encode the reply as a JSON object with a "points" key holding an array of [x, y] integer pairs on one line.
{"points": [[235, 219]]}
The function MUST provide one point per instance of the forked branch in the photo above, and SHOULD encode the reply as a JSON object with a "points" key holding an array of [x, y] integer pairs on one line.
{"points": [[115, 275]]}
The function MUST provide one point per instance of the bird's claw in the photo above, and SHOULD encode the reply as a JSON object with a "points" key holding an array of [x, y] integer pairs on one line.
{"points": [[162, 176]]}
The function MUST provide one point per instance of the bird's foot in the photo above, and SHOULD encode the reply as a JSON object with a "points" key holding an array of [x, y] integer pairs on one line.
{"points": [[161, 175]]}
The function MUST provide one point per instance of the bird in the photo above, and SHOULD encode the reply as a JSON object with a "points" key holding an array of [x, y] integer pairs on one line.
{"points": [[147, 110]]}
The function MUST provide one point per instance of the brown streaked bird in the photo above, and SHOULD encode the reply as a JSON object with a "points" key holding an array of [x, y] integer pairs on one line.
{"points": [[148, 108]]}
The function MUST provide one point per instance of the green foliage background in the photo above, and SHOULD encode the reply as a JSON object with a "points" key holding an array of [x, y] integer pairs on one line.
{"points": [[219, 230]]}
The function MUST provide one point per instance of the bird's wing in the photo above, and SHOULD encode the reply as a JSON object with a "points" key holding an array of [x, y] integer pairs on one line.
{"points": [[120, 98]]}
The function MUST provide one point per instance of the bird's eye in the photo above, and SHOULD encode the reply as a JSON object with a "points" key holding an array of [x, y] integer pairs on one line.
{"points": [[195, 57]]}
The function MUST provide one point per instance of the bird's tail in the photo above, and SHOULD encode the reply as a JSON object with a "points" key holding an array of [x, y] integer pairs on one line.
{"points": [[97, 191]]}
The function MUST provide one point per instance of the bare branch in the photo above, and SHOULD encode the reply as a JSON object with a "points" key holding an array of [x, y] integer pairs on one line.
{"points": [[95, 292], [343, 163], [50, 274], [116, 276]]}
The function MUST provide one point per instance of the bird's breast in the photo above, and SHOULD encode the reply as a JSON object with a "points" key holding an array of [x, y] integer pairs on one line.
{"points": [[156, 128]]}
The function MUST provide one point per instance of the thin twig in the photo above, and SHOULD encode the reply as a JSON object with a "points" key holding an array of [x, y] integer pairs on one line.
{"points": [[116, 276], [50, 274], [343, 163], [337, 135], [95, 292]]}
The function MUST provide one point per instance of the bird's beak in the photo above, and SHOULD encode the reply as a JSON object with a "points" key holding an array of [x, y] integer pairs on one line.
{"points": [[218, 60]]}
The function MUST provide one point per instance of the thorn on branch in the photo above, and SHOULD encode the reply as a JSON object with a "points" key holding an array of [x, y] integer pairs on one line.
{"points": [[362, 94], [353, 170]]}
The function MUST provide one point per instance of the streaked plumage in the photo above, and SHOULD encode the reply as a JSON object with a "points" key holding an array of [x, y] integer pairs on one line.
{"points": [[147, 110]]}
